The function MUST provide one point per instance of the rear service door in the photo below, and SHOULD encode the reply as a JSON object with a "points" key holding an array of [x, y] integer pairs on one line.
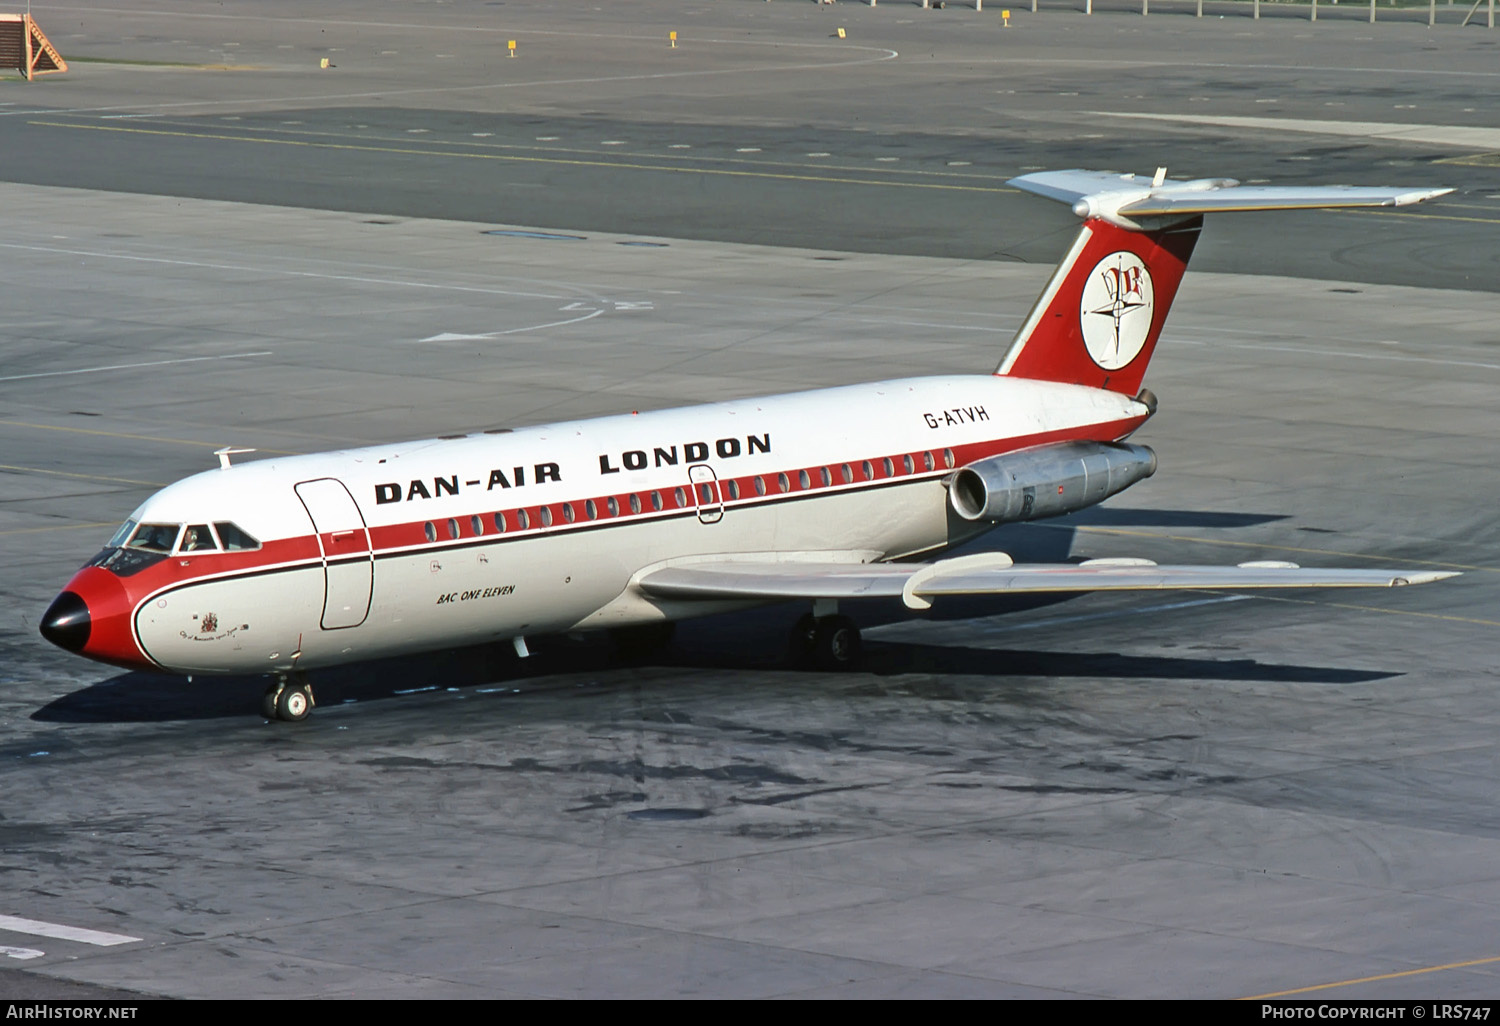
{"points": [[348, 563]]}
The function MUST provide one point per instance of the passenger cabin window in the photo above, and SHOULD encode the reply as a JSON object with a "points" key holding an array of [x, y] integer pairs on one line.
{"points": [[233, 539], [197, 538]]}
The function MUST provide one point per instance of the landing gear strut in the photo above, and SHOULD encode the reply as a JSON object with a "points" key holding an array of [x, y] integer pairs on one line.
{"points": [[288, 698], [830, 642]]}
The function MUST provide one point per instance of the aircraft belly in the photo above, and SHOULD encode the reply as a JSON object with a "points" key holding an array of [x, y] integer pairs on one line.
{"points": [[233, 625]]}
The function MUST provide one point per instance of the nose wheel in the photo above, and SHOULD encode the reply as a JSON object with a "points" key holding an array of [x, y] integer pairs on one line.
{"points": [[289, 699], [831, 643]]}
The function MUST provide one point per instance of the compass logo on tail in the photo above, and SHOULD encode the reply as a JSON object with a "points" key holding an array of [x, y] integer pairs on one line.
{"points": [[1116, 310]]}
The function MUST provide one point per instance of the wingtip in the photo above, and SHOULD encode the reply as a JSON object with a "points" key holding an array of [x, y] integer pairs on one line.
{"points": [[1424, 577], [1406, 199]]}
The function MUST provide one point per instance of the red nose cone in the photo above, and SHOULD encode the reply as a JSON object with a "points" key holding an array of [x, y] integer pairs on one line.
{"points": [[92, 617]]}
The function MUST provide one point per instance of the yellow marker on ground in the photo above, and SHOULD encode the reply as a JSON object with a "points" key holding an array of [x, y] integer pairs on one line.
{"points": [[841, 33], [323, 63], [512, 45], [1005, 17], [673, 37]]}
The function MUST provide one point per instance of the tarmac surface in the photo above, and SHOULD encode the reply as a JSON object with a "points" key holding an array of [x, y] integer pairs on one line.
{"points": [[1119, 796]]}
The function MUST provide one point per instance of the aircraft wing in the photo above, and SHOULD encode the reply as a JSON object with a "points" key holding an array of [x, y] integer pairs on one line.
{"points": [[917, 584]]}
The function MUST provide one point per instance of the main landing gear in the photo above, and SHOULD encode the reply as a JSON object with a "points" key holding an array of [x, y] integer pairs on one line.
{"points": [[289, 698], [827, 640]]}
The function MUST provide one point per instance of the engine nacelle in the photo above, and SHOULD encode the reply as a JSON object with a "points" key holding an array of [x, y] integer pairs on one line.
{"points": [[1048, 480]]}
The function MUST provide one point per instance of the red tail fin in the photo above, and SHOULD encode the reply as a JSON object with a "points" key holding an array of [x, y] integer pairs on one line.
{"points": [[1098, 320]]}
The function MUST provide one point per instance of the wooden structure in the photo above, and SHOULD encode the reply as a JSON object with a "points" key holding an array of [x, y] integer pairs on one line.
{"points": [[23, 46]]}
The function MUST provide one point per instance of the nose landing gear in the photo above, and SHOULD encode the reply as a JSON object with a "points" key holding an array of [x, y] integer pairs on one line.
{"points": [[288, 698]]}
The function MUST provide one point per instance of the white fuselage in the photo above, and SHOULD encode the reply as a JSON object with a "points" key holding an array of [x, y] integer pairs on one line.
{"points": [[424, 545]]}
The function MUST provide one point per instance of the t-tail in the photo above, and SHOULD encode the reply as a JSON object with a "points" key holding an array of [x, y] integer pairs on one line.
{"points": [[1098, 320]]}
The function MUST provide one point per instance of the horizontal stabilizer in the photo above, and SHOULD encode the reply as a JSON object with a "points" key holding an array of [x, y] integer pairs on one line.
{"points": [[990, 574], [1120, 199]]}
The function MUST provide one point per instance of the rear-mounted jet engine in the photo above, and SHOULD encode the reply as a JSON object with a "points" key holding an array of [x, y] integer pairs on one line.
{"points": [[1048, 480]]}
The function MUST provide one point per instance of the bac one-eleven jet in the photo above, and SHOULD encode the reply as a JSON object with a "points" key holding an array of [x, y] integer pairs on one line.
{"points": [[282, 566]]}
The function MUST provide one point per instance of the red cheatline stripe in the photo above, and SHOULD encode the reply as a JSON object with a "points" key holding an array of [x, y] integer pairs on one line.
{"points": [[411, 537]]}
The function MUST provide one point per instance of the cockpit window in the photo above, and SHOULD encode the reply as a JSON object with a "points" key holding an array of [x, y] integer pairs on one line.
{"points": [[154, 537], [234, 539], [118, 538], [198, 538]]}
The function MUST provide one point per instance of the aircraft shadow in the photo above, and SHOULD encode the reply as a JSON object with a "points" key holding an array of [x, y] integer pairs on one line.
{"points": [[750, 644], [1116, 516]]}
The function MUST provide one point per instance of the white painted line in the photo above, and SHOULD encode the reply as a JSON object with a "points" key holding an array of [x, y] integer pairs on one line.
{"points": [[21, 953], [880, 54], [679, 146], [748, 149], [1342, 354], [129, 366], [1441, 135], [613, 142], [548, 138], [58, 931], [450, 337], [357, 279]]}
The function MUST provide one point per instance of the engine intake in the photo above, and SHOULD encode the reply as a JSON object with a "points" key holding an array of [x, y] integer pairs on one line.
{"points": [[1048, 480]]}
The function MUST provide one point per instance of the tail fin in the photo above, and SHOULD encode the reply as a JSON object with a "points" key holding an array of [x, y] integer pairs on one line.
{"points": [[1097, 321]]}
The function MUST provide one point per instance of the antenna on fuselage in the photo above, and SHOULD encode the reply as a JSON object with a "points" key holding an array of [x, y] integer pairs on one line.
{"points": [[227, 452]]}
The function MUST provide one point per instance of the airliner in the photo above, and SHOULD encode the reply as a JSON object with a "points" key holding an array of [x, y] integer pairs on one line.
{"points": [[283, 566]]}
